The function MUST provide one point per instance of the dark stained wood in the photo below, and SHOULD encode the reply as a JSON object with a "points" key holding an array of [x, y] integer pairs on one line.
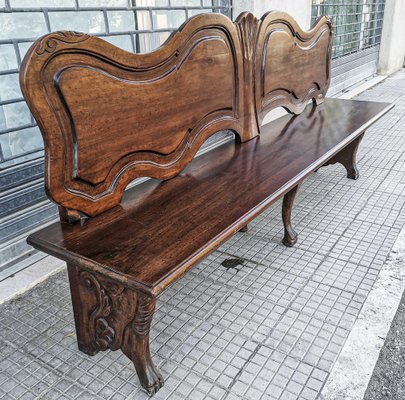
{"points": [[347, 157], [108, 117], [97, 106], [110, 316], [292, 66], [290, 236], [162, 228]]}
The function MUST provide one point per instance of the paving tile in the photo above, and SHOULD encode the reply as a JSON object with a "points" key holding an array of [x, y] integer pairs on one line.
{"points": [[267, 283], [248, 247], [215, 353], [329, 304], [314, 341], [314, 241], [271, 374], [345, 200], [212, 268], [322, 221], [382, 215], [293, 260], [247, 315], [394, 183], [345, 275], [194, 295], [365, 243]]}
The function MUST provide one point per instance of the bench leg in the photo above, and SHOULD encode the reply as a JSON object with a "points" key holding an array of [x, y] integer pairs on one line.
{"points": [[290, 236], [347, 157], [136, 344], [111, 316], [243, 229]]}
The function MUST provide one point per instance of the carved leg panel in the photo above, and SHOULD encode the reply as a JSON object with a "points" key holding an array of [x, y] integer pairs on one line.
{"points": [[290, 236], [136, 344], [347, 157], [111, 316]]}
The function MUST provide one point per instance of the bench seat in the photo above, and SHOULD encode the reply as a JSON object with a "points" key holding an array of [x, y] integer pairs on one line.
{"points": [[151, 239]]}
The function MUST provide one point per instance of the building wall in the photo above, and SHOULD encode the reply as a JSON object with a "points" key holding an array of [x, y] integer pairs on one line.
{"points": [[392, 50]]}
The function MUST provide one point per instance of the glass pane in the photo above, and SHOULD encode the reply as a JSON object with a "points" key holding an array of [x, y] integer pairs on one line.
{"points": [[8, 60], [9, 87], [14, 115], [83, 21], [172, 19], [103, 3], [151, 41], [151, 3], [186, 3], [121, 41], [16, 143], [42, 3], [144, 20], [18, 25], [23, 47], [191, 13], [121, 21]]}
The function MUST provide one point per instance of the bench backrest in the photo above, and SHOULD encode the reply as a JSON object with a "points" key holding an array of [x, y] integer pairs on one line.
{"points": [[108, 116]]}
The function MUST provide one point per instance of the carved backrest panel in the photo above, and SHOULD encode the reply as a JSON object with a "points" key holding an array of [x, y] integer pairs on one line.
{"points": [[108, 116], [291, 66]]}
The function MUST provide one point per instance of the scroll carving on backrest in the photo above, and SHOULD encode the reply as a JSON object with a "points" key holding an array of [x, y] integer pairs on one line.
{"points": [[108, 116], [292, 66]]}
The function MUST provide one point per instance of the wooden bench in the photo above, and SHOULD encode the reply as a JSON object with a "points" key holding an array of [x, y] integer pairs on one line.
{"points": [[108, 117]]}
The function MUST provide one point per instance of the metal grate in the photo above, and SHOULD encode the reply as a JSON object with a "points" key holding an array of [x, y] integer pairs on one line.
{"points": [[357, 23], [135, 25]]}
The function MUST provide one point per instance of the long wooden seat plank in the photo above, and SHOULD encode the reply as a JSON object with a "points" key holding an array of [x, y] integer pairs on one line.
{"points": [[143, 239]]}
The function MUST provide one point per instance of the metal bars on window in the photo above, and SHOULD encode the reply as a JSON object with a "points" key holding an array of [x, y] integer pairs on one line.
{"points": [[134, 25], [357, 23]]}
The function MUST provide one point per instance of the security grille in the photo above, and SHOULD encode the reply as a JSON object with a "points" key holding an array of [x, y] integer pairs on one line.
{"points": [[357, 27], [134, 25]]}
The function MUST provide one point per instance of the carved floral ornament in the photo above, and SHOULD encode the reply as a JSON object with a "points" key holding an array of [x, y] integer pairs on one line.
{"points": [[49, 43]]}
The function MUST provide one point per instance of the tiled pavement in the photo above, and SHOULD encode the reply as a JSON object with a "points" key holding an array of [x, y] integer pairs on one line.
{"points": [[271, 328]]}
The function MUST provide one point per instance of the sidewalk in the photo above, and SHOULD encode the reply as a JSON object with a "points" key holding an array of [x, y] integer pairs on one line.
{"points": [[271, 328]]}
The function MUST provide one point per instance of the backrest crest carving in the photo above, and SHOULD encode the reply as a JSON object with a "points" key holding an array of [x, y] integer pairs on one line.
{"points": [[49, 43]]}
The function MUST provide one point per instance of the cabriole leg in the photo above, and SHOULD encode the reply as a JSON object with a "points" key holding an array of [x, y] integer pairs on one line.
{"points": [[347, 157], [290, 236], [136, 344], [109, 315]]}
